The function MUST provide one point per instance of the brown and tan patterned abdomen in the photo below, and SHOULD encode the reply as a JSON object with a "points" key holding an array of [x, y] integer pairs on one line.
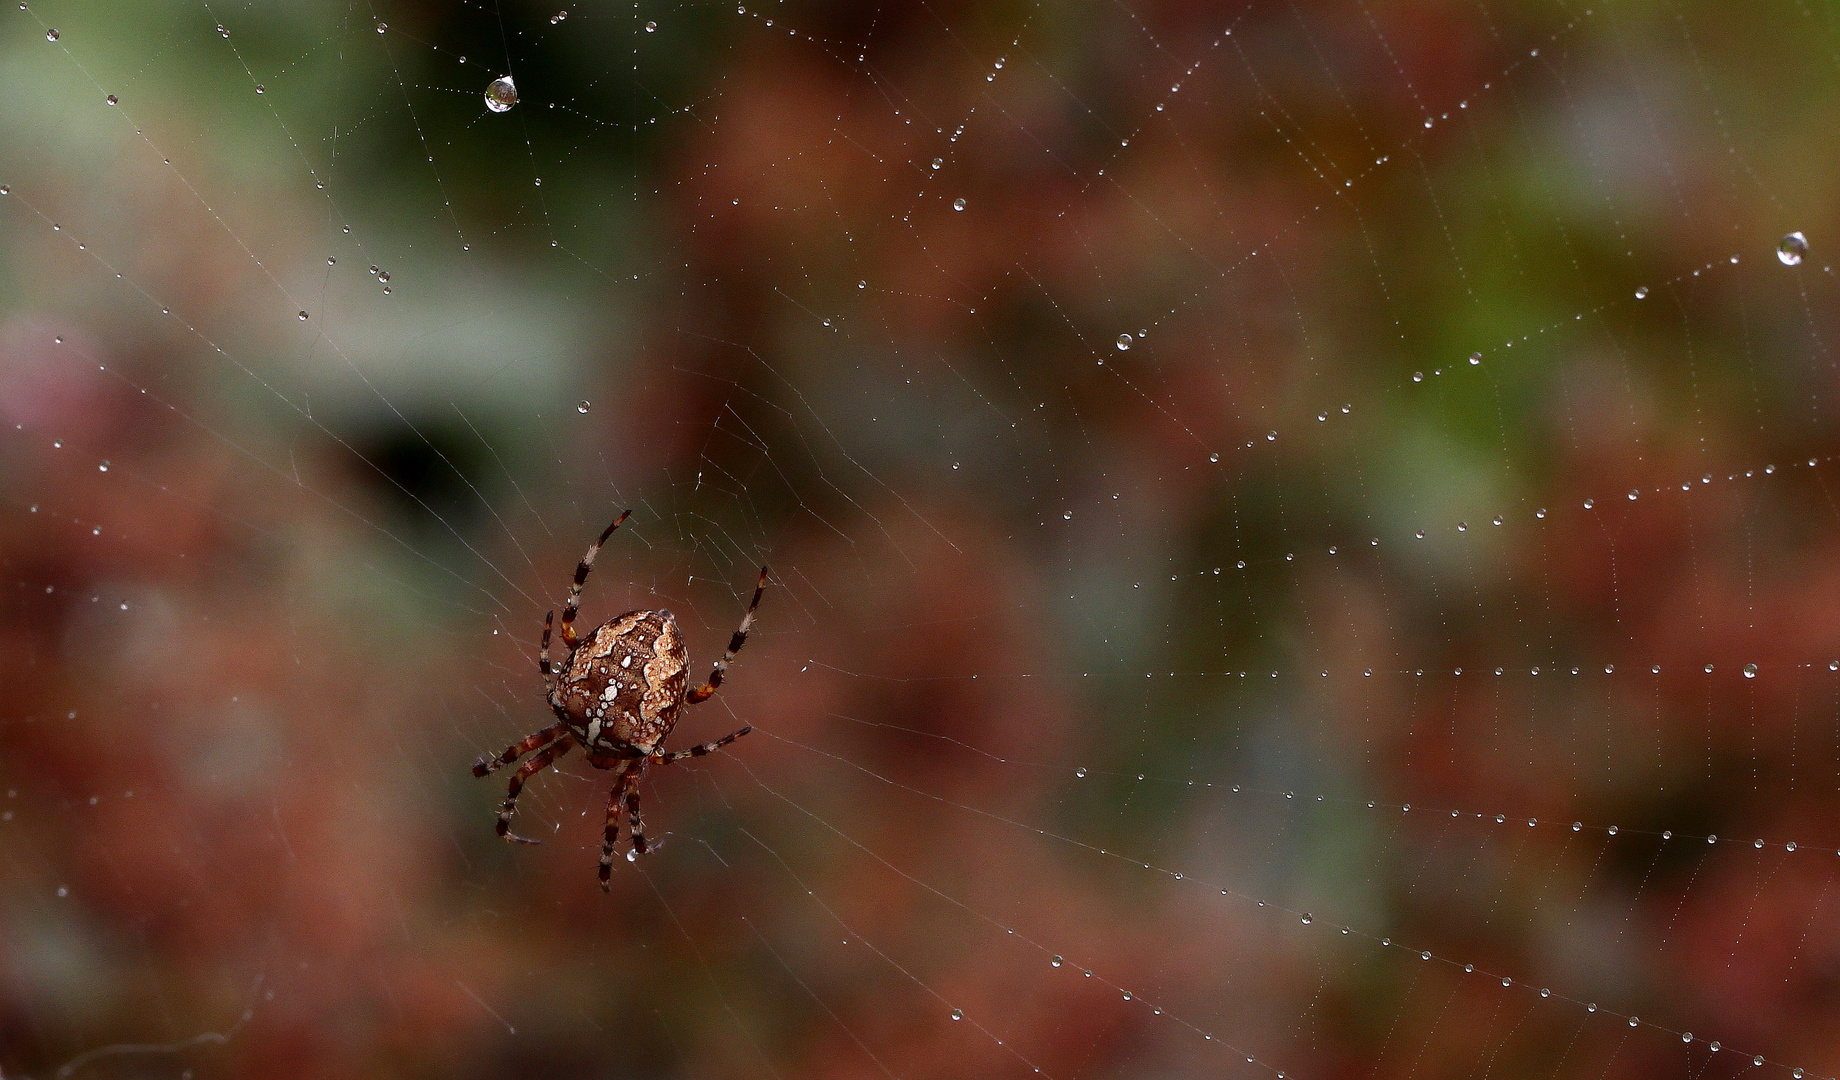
{"points": [[622, 688]]}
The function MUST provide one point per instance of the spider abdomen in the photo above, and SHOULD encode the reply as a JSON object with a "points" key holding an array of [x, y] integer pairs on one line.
{"points": [[621, 689]]}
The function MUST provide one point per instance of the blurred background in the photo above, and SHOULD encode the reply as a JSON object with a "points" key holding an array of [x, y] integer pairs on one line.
{"points": [[1305, 536]]}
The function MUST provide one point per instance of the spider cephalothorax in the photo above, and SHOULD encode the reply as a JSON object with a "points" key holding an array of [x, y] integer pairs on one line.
{"points": [[617, 694]]}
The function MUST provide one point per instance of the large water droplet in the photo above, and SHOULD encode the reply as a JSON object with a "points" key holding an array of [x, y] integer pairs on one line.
{"points": [[501, 94], [1056, 961], [958, 1014], [1750, 671], [1791, 248], [958, 204], [1124, 342], [1080, 772], [651, 27], [584, 405], [51, 34], [1641, 292]]}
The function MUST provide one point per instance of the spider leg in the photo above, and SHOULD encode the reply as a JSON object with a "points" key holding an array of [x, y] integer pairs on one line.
{"points": [[525, 772], [549, 679], [581, 576], [622, 779], [699, 751], [708, 689], [634, 816], [491, 763]]}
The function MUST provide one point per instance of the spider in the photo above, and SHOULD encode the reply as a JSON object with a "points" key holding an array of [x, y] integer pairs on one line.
{"points": [[617, 695]]}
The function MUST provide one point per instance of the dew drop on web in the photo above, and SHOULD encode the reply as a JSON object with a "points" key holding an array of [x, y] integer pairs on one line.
{"points": [[501, 94], [583, 405], [1791, 248]]}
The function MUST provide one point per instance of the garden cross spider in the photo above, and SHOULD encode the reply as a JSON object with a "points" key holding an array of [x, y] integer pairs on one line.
{"points": [[617, 694]]}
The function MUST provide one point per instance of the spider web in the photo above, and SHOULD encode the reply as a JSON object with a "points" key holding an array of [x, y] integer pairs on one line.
{"points": [[1301, 533]]}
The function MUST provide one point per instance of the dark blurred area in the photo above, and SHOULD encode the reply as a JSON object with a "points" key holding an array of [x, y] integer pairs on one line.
{"points": [[1305, 537]]}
